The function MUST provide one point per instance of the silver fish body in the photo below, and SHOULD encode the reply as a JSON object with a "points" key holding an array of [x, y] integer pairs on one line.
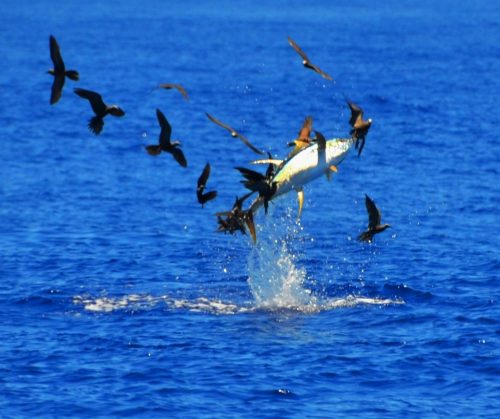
{"points": [[307, 165]]}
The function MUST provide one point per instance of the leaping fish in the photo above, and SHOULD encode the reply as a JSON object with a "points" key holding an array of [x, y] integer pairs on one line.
{"points": [[319, 158]]}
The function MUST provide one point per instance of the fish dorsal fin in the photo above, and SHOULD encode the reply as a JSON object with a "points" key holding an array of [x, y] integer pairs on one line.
{"points": [[300, 198], [267, 161]]}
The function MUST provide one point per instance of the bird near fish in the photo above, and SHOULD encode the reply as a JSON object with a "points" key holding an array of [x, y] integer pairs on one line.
{"points": [[374, 219], [234, 134], [59, 71], [359, 126], [165, 144], [306, 62], [237, 219], [100, 109], [304, 137], [202, 181], [260, 183], [178, 87]]}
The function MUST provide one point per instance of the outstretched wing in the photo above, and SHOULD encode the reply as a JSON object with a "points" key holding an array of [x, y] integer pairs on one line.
{"points": [[298, 49], [248, 144], [221, 124], [55, 55], [95, 99], [356, 113], [202, 180], [305, 131], [166, 129], [374, 215], [179, 156], [57, 86], [177, 87]]}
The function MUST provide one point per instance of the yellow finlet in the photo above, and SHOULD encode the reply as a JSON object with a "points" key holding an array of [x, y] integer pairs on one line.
{"points": [[300, 198], [333, 168]]}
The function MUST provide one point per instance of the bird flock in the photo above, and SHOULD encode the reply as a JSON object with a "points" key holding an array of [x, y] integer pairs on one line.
{"points": [[235, 219]]}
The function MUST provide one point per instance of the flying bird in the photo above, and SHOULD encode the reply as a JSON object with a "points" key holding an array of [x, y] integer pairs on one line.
{"points": [[257, 182], [59, 71], [374, 218], [359, 126], [236, 219], [202, 181], [234, 133], [306, 61], [100, 109], [165, 143], [177, 87]]}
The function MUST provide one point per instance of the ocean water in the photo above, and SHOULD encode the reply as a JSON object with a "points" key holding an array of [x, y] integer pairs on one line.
{"points": [[119, 298]]}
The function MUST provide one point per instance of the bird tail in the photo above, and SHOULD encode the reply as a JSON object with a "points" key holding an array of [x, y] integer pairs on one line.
{"points": [[73, 75], [153, 150], [96, 124]]}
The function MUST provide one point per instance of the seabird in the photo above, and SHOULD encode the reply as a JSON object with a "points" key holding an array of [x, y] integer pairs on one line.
{"points": [[59, 71], [236, 219], [374, 218], [257, 182], [100, 109], [202, 181], [177, 87], [306, 62], [165, 143], [359, 126], [234, 133]]}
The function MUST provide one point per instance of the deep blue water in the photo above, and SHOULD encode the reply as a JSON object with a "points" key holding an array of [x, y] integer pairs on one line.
{"points": [[119, 298]]}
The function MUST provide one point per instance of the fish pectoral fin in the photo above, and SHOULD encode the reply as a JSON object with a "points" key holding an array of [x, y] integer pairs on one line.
{"points": [[300, 198], [267, 161], [329, 172]]}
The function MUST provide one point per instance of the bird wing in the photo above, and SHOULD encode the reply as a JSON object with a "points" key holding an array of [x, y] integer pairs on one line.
{"points": [[179, 156], [57, 86], [298, 49], [95, 99], [166, 129], [220, 123], [356, 113], [321, 72], [202, 180], [305, 131], [374, 215], [55, 55], [176, 86], [248, 144]]}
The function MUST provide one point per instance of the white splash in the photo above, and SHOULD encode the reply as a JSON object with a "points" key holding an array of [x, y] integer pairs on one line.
{"points": [[274, 279]]}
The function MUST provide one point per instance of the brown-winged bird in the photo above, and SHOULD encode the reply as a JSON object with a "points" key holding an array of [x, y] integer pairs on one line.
{"points": [[178, 87], [59, 71], [237, 219], [359, 126], [202, 181], [234, 133], [257, 182], [374, 218], [165, 143], [306, 62], [100, 109]]}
